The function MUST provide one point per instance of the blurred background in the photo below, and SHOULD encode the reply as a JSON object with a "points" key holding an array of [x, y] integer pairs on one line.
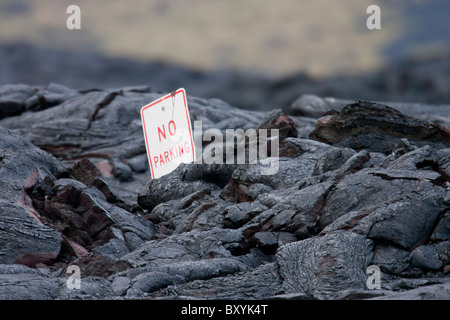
{"points": [[257, 54]]}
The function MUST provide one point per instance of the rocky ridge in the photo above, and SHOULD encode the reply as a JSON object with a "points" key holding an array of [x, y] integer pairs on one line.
{"points": [[359, 184]]}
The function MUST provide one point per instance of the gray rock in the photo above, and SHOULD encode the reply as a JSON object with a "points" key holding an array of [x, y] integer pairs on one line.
{"points": [[53, 95], [120, 285], [22, 283], [25, 168], [170, 187], [294, 210], [181, 258], [259, 283], [23, 239], [325, 265], [360, 294], [390, 259], [91, 220], [432, 292], [238, 214], [200, 210], [432, 256], [27, 287], [113, 249], [293, 296], [390, 221], [290, 172], [143, 279], [332, 160], [19, 159], [376, 160], [122, 171], [404, 284], [186, 246], [351, 165], [377, 127], [139, 163], [12, 99], [444, 164], [91, 288], [133, 240], [266, 241], [21, 269], [379, 188], [151, 281], [413, 159], [305, 148], [298, 164], [204, 269], [408, 221], [442, 230], [87, 173], [314, 106], [70, 132], [208, 214]]}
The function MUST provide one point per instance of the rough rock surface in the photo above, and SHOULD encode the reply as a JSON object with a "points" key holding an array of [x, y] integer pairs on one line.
{"points": [[376, 127], [76, 190], [24, 168], [314, 106], [321, 265]]}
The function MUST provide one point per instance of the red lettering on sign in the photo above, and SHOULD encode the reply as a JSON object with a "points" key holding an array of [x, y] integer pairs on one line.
{"points": [[162, 132], [166, 156], [174, 128]]}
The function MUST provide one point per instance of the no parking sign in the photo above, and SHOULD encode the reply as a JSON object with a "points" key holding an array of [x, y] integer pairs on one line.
{"points": [[168, 133]]}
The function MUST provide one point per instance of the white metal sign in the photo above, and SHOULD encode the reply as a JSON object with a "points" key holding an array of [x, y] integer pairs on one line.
{"points": [[168, 133]]}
